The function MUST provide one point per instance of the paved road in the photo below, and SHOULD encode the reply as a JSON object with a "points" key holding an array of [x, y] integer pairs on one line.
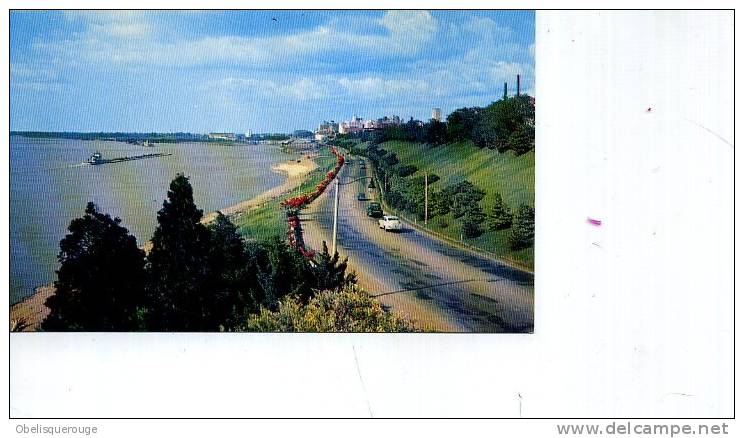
{"points": [[441, 287]]}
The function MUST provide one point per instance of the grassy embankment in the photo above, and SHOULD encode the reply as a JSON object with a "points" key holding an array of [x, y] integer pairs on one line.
{"points": [[268, 220], [512, 176]]}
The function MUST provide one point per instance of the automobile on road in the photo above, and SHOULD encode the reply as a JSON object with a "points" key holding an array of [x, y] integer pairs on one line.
{"points": [[361, 197], [390, 223], [374, 209]]}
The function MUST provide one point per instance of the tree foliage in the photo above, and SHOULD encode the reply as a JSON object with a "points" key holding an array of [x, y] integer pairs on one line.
{"points": [[506, 124], [348, 310], [500, 217], [330, 274], [179, 267], [100, 282], [195, 277], [234, 279], [523, 231]]}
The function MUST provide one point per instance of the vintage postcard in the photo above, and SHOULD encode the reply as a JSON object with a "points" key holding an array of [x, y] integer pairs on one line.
{"points": [[272, 171]]}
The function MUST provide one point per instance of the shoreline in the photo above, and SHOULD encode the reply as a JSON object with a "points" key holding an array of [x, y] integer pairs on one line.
{"points": [[296, 170], [31, 309]]}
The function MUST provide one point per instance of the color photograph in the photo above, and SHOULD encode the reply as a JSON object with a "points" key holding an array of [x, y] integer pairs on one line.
{"points": [[272, 171]]}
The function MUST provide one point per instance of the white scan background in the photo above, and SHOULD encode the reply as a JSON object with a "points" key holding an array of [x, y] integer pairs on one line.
{"points": [[633, 318]]}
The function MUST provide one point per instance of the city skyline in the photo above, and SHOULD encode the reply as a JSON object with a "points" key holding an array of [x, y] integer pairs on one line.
{"points": [[264, 71]]}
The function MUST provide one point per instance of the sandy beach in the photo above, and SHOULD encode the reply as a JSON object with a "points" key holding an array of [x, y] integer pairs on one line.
{"points": [[31, 311], [27, 314], [296, 171]]}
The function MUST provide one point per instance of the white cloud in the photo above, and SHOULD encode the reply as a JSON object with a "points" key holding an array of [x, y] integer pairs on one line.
{"points": [[381, 87], [301, 89], [128, 37], [119, 24]]}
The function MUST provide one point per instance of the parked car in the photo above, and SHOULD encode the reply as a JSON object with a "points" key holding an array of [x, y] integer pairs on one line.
{"points": [[361, 197], [390, 223], [374, 209]]}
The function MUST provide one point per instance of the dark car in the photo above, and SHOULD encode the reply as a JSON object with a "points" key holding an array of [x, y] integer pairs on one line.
{"points": [[361, 197], [374, 209]]}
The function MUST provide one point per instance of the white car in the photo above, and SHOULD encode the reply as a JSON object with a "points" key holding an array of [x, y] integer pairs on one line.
{"points": [[390, 223]]}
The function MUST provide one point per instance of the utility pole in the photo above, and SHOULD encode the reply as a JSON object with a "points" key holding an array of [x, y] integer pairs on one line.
{"points": [[426, 198], [335, 208], [335, 219]]}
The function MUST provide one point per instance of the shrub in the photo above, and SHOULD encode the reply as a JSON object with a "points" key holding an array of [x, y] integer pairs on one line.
{"points": [[346, 310], [407, 170], [471, 222], [501, 216], [523, 232]]}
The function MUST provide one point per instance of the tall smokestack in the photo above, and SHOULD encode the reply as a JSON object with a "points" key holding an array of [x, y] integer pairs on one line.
{"points": [[504, 90], [517, 85]]}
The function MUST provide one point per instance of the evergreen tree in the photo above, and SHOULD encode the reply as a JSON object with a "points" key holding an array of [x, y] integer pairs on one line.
{"points": [[501, 216], [471, 221], [464, 195], [100, 282], [234, 276], [523, 231], [439, 204], [179, 268], [281, 271], [329, 273]]}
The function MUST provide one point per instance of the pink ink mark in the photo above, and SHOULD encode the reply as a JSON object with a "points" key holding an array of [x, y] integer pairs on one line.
{"points": [[595, 222]]}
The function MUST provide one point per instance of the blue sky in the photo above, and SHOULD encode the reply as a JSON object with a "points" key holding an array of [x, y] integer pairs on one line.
{"points": [[265, 71]]}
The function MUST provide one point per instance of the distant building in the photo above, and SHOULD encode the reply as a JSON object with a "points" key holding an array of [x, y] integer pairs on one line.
{"points": [[388, 121], [327, 128], [436, 114], [222, 136]]}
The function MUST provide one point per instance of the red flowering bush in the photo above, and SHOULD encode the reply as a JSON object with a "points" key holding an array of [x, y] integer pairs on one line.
{"points": [[294, 233]]}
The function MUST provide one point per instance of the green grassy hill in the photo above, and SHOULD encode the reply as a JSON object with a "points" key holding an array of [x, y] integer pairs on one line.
{"points": [[512, 176]]}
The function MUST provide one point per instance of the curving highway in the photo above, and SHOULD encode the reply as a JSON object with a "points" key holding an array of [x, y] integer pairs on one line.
{"points": [[442, 287]]}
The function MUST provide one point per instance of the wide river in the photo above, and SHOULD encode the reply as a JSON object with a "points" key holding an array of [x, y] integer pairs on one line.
{"points": [[49, 187]]}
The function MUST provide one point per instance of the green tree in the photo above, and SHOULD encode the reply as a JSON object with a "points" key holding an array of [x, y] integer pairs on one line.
{"points": [[234, 280], [100, 282], [439, 203], [406, 170], [471, 222], [500, 216], [179, 266], [463, 196], [329, 273], [281, 271], [523, 231], [522, 139], [390, 159], [460, 124], [435, 133]]}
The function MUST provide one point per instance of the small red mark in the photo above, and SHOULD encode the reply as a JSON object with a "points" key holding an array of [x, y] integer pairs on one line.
{"points": [[648, 110], [595, 222]]}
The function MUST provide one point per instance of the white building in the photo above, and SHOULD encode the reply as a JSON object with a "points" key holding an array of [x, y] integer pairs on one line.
{"points": [[436, 114], [222, 136]]}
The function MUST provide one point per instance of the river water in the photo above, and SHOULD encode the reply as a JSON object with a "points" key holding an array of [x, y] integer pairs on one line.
{"points": [[49, 187]]}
